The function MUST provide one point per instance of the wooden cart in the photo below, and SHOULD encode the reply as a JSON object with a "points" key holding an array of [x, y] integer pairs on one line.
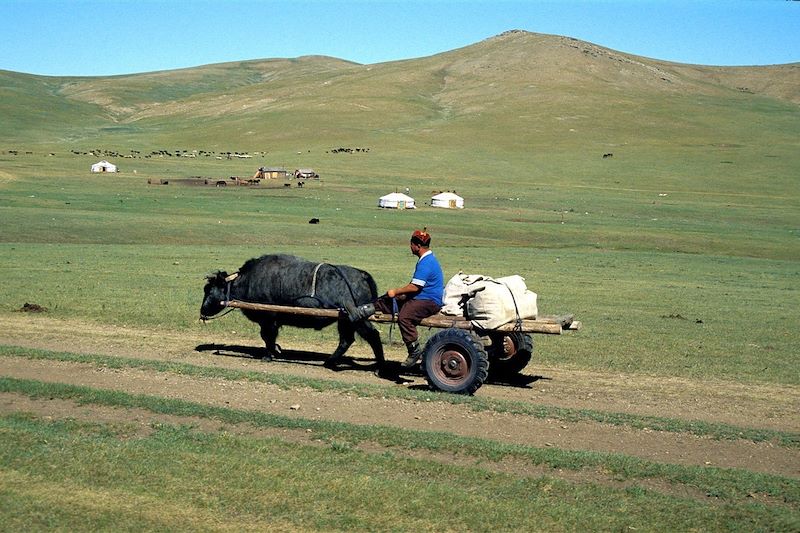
{"points": [[458, 358]]}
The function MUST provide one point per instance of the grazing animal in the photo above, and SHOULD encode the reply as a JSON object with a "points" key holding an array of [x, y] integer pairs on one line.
{"points": [[606, 156], [288, 280], [314, 221]]}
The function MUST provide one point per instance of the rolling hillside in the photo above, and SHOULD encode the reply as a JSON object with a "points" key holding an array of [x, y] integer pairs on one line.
{"points": [[511, 91]]}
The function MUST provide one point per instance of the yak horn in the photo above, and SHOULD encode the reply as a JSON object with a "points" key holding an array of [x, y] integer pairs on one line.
{"points": [[232, 277]]}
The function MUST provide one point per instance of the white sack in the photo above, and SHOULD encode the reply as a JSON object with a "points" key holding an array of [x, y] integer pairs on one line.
{"points": [[489, 303]]}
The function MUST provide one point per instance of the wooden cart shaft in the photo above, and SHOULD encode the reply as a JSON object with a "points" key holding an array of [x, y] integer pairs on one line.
{"points": [[552, 325]]}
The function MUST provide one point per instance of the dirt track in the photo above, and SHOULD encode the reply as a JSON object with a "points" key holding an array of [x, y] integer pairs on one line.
{"points": [[749, 406]]}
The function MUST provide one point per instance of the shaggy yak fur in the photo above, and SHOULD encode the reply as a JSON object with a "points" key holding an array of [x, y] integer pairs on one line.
{"points": [[292, 281]]}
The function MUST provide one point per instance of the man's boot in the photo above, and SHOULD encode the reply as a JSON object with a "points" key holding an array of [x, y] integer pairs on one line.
{"points": [[414, 355], [361, 312]]}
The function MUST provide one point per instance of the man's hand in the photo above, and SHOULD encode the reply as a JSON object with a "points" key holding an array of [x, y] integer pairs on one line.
{"points": [[408, 289]]}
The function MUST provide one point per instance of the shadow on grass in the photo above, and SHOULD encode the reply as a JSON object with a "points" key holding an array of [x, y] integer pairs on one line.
{"points": [[391, 371]]}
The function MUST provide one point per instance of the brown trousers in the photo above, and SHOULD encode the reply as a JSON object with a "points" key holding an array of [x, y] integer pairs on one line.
{"points": [[411, 312]]}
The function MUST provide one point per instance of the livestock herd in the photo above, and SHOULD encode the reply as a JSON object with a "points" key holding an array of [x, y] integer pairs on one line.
{"points": [[138, 154]]}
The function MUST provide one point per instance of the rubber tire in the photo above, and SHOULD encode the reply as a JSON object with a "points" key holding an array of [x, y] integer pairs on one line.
{"points": [[510, 353], [454, 360]]}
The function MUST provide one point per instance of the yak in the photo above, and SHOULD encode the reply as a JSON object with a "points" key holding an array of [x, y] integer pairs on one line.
{"points": [[281, 279]]}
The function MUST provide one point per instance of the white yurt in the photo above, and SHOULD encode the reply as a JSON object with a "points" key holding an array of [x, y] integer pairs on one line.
{"points": [[104, 166], [396, 200], [448, 200]]}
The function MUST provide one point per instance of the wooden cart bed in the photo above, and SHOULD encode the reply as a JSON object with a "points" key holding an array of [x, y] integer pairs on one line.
{"points": [[547, 324]]}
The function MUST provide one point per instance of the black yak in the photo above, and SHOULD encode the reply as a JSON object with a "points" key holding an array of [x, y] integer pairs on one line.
{"points": [[292, 281]]}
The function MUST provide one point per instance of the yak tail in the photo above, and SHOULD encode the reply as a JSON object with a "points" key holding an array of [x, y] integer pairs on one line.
{"points": [[373, 287]]}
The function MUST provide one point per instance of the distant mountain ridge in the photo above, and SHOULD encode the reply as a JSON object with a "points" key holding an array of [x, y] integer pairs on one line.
{"points": [[509, 75]]}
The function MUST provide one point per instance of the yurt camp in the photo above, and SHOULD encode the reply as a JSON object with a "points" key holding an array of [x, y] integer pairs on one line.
{"points": [[447, 200], [396, 200], [104, 166]]}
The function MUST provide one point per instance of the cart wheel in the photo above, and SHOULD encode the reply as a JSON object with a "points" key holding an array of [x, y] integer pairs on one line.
{"points": [[510, 353], [455, 361]]}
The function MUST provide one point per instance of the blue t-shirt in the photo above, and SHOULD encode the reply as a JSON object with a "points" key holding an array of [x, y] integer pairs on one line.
{"points": [[429, 277]]}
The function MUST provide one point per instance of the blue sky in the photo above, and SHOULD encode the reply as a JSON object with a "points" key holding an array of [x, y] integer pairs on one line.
{"points": [[97, 38]]}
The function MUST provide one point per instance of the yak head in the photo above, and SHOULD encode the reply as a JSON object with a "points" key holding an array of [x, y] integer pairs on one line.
{"points": [[215, 291]]}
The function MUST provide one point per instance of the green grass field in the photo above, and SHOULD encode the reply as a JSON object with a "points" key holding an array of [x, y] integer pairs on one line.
{"points": [[677, 285], [66, 475]]}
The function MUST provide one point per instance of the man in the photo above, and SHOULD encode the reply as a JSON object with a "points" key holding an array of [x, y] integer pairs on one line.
{"points": [[419, 299]]}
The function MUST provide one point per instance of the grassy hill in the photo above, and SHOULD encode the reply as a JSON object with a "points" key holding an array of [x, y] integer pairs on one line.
{"points": [[515, 113], [510, 90], [513, 104]]}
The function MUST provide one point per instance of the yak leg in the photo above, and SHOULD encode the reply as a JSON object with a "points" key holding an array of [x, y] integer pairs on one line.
{"points": [[373, 337], [370, 334], [269, 333], [347, 337]]}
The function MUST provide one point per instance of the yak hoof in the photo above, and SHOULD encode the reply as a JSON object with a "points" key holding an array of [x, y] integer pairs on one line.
{"points": [[332, 362], [270, 354], [265, 355]]}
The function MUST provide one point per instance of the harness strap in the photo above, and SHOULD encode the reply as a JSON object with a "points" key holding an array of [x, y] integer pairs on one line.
{"points": [[228, 282], [518, 322], [465, 297], [395, 311], [314, 280], [215, 317]]}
